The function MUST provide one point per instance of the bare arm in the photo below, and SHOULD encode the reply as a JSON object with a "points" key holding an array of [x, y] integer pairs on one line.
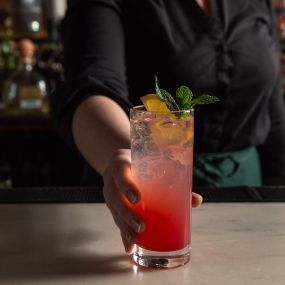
{"points": [[100, 127]]}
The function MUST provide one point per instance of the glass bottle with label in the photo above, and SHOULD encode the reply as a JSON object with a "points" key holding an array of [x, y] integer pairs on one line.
{"points": [[25, 91]]}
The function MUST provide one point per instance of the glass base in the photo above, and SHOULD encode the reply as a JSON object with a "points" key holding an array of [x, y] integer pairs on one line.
{"points": [[161, 259]]}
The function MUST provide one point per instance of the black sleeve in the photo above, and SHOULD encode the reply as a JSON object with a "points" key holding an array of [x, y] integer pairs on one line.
{"points": [[94, 49]]}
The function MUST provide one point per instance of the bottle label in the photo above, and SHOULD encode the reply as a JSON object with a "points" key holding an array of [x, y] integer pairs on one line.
{"points": [[31, 104]]}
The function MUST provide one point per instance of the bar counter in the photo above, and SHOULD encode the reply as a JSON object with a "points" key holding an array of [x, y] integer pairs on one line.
{"points": [[73, 240]]}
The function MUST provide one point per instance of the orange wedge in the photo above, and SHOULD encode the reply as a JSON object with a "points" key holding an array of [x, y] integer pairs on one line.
{"points": [[153, 104], [165, 135], [178, 132]]}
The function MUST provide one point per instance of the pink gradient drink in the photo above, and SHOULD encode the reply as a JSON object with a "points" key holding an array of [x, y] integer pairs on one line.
{"points": [[162, 151]]}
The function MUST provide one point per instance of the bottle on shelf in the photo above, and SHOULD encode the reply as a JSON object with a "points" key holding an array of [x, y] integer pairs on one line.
{"points": [[50, 55], [25, 91], [8, 57], [8, 50], [50, 58]]}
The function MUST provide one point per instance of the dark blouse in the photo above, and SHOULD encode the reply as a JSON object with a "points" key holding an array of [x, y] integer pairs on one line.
{"points": [[114, 48]]}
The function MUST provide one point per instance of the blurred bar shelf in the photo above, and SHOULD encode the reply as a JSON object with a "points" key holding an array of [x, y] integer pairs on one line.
{"points": [[35, 155], [10, 125]]}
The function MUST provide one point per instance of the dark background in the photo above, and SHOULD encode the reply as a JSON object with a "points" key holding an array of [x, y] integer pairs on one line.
{"points": [[31, 151]]}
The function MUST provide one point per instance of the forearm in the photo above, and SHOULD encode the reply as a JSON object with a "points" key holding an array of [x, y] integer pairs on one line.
{"points": [[100, 127]]}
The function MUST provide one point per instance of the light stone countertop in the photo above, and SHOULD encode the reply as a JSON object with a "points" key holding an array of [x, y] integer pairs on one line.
{"points": [[68, 244]]}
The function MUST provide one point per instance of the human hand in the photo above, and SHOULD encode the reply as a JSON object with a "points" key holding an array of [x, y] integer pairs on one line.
{"points": [[120, 192]]}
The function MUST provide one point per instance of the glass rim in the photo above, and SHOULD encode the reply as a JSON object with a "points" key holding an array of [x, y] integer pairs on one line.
{"points": [[142, 109]]}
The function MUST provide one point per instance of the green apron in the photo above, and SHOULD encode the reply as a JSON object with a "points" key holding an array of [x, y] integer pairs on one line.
{"points": [[229, 169]]}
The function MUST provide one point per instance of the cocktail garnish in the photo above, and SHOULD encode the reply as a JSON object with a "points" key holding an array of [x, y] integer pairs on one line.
{"points": [[184, 98], [152, 103]]}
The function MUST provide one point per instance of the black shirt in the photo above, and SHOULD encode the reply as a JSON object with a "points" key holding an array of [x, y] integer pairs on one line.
{"points": [[114, 48]]}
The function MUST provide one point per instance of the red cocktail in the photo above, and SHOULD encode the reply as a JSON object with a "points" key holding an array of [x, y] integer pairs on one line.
{"points": [[162, 152]]}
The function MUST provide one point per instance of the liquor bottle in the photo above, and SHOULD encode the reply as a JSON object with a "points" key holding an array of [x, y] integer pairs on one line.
{"points": [[8, 57], [25, 91], [50, 56]]}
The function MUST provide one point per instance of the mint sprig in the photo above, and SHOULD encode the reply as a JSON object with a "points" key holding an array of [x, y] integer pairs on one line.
{"points": [[184, 98], [166, 97]]}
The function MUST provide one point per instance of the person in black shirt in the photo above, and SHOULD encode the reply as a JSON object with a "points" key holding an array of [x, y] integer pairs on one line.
{"points": [[229, 49]]}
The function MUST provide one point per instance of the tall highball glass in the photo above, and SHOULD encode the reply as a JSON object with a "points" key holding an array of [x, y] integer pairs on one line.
{"points": [[162, 162]]}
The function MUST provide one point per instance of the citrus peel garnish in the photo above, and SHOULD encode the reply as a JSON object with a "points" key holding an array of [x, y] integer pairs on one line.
{"points": [[172, 133], [153, 104]]}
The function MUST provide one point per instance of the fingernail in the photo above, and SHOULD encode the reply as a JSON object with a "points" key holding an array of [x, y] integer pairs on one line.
{"points": [[129, 237], [129, 248], [138, 226], [132, 197]]}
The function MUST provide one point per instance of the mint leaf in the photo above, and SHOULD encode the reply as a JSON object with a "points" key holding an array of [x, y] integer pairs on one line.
{"points": [[166, 97], [157, 90], [187, 106], [169, 100], [204, 99], [183, 97]]}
